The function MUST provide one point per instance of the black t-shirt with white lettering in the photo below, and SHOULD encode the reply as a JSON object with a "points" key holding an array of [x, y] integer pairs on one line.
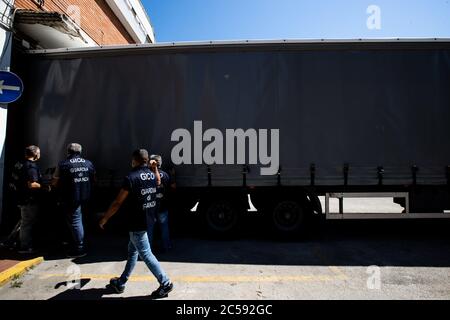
{"points": [[76, 177], [141, 202]]}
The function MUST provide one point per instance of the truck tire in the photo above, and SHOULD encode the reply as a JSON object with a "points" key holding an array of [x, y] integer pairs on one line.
{"points": [[288, 218], [221, 217]]}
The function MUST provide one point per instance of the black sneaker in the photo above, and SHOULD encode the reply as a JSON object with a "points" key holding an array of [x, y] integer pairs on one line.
{"points": [[76, 254], [115, 284], [162, 291]]}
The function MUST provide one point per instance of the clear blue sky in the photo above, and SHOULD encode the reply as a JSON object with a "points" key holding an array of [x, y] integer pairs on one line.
{"points": [[195, 20]]}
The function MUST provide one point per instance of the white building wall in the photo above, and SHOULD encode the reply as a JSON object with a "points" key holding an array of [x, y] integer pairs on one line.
{"points": [[5, 61], [134, 18]]}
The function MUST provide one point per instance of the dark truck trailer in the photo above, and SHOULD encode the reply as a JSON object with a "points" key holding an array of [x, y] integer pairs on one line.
{"points": [[354, 118]]}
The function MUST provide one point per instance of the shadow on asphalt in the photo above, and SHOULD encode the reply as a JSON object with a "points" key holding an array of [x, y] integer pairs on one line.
{"points": [[78, 293], [414, 243]]}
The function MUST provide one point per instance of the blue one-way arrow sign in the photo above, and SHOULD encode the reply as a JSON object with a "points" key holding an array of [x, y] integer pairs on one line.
{"points": [[11, 87]]}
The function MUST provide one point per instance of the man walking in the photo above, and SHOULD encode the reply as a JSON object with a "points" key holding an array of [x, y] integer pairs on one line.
{"points": [[162, 213], [74, 177], [140, 189]]}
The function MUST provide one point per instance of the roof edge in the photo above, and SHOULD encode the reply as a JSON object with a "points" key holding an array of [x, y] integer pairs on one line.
{"points": [[230, 43]]}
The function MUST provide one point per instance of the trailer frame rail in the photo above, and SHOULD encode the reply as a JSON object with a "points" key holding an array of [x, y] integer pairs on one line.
{"points": [[341, 215]]}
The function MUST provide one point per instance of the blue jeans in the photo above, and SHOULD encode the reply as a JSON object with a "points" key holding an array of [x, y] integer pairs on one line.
{"points": [[28, 213], [75, 221], [139, 245], [163, 221]]}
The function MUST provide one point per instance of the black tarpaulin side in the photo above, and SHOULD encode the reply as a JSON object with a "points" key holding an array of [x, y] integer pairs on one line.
{"points": [[364, 107]]}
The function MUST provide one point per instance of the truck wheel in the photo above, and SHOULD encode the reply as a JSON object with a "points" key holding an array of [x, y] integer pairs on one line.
{"points": [[221, 217], [288, 217]]}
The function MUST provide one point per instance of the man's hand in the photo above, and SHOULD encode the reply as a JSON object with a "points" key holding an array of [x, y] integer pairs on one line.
{"points": [[154, 168], [153, 165], [34, 185], [102, 223]]}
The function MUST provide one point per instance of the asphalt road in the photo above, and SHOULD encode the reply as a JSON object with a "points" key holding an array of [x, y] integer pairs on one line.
{"points": [[336, 260]]}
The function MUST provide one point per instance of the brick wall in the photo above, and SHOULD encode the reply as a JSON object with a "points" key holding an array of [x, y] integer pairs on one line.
{"points": [[97, 18]]}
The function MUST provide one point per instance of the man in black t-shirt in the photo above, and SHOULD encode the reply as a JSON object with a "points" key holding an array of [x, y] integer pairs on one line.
{"points": [[26, 184], [162, 212], [139, 188]]}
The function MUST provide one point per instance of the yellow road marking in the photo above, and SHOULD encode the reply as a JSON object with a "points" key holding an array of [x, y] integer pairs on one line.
{"points": [[338, 272], [206, 279], [18, 270]]}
